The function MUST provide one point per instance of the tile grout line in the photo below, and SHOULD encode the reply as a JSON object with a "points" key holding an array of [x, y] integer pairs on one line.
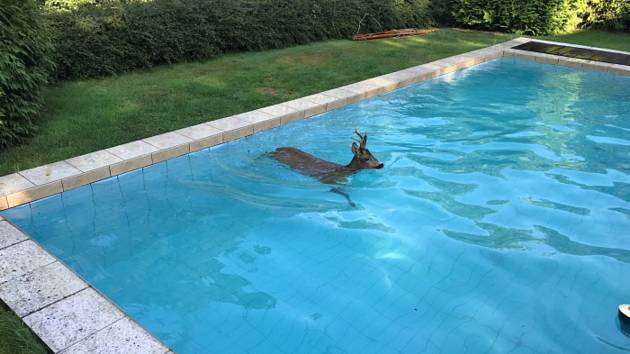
{"points": [[13, 244], [87, 286], [93, 333]]}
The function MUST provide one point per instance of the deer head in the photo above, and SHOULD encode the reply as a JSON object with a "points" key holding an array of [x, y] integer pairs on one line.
{"points": [[363, 158]]}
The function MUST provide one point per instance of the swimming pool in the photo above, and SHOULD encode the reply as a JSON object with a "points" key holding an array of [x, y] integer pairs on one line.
{"points": [[499, 223]]}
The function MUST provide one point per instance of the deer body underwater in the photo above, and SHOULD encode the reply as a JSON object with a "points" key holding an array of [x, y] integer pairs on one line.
{"points": [[326, 171]]}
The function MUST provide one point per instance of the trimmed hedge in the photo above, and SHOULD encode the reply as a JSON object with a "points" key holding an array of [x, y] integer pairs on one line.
{"points": [[533, 17], [613, 15], [24, 64], [104, 37]]}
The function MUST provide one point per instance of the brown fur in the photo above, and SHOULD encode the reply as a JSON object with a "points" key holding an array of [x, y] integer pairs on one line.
{"points": [[326, 171]]}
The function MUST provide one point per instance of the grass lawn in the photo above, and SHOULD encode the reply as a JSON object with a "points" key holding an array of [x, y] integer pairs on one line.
{"points": [[85, 116], [16, 337]]}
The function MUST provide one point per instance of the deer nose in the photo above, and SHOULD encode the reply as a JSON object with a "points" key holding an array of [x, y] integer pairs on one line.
{"points": [[380, 165]]}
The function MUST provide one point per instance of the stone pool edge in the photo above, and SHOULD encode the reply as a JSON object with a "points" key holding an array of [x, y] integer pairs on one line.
{"points": [[61, 308], [71, 316]]}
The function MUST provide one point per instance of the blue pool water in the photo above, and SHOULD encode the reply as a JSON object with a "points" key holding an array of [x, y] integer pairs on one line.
{"points": [[500, 223]]}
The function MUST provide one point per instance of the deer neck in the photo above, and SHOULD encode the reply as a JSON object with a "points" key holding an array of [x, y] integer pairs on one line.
{"points": [[353, 165]]}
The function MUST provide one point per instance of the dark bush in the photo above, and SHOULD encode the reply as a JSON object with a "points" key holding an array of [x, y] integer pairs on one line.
{"points": [[104, 37], [613, 15], [533, 17], [24, 64]]}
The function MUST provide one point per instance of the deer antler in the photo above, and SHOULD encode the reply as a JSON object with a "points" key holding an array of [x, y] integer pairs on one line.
{"points": [[363, 138]]}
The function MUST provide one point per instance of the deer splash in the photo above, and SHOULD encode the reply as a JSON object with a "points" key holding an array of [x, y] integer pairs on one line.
{"points": [[326, 171]]}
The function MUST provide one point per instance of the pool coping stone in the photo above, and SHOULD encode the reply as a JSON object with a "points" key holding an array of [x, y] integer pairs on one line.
{"points": [[70, 315]]}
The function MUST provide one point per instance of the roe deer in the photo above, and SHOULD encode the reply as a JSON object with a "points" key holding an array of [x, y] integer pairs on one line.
{"points": [[326, 171]]}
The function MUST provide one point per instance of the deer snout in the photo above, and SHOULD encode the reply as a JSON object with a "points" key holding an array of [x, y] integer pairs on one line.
{"points": [[380, 165]]}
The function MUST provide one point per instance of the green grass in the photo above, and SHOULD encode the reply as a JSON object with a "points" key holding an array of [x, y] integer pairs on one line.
{"points": [[85, 116], [16, 337], [611, 40]]}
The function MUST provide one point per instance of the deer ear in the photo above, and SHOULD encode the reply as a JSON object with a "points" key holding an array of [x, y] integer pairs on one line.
{"points": [[364, 142], [355, 148]]}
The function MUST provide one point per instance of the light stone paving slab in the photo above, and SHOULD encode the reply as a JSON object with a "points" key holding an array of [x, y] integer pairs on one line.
{"points": [[364, 89], [14, 183], [168, 140], [40, 288], [9, 235], [136, 154], [132, 150], [82, 179], [34, 193], [260, 120], [169, 145], [130, 164], [402, 78], [232, 128], [202, 136], [94, 160], [320, 98], [343, 97], [283, 111], [72, 319], [309, 107], [619, 69], [386, 83], [22, 258], [49, 173], [123, 336]]}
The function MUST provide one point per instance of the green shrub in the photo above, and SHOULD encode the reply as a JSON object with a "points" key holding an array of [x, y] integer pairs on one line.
{"points": [[24, 64], [533, 17], [103, 37], [611, 15]]}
